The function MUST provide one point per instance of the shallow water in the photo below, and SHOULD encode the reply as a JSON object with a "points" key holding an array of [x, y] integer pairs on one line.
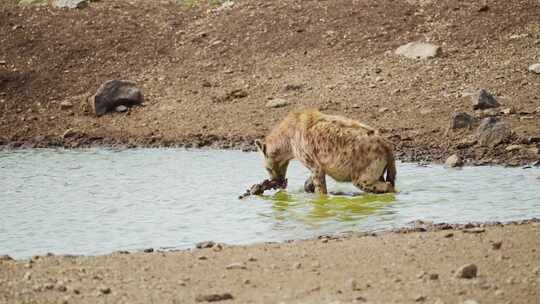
{"points": [[99, 201]]}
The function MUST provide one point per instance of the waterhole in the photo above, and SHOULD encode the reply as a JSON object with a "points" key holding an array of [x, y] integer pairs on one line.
{"points": [[99, 201]]}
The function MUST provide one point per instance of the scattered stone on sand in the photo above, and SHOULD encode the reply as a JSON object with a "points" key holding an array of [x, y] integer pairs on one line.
{"points": [[535, 68], [496, 245], [216, 297], [453, 161], [293, 87], [449, 235], [468, 271], [115, 93], [206, 244], [433, 276], [104, 290], [474, 230], [267, 184], [418, 50], [70, 3], [277, 103], [65, 105], [27, 276], [420, 298], [492, 132], [482, 100], [461, 120], [236, 266], [229, 96]]}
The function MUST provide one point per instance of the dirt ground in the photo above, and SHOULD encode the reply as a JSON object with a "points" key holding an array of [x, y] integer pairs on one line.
{"points": [[391, 267], [337, 56]]}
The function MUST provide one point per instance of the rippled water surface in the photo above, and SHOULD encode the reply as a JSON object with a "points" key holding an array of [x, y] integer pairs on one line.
{"points": [[99, 201]]}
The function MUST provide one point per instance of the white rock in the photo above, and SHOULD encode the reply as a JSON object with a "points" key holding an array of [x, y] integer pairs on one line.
{"points": [[418, 50], [277, 103], [535, 68], [453, 161]]}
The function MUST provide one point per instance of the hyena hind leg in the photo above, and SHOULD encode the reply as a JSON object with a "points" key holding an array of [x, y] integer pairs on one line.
{"points": [[372, 180]]}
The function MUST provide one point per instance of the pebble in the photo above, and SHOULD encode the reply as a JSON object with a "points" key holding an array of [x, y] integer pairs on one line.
{"points": [[461, 120], [470, 302], [148, 250], [236, 266], [474, 230], [496, 245], [64, 105], [433, 276], [121, 109], [353, 284], [214, 297], [297, 265], [277, 103], [482, 100], [420, 298], [104, 290], [418, 50], [468, 271]]}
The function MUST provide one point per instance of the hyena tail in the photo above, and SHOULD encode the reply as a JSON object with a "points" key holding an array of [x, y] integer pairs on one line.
{"points": [[391, 171]]}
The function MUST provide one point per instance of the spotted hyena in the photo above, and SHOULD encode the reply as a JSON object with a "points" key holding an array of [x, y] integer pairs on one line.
{"points": [[339, 147]]}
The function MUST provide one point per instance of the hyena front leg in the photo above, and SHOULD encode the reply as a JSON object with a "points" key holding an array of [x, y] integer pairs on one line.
{"points": [[309, 186], [319, 182]]}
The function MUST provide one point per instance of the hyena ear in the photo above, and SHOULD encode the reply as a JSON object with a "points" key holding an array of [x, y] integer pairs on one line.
{"points": [[261, 146]]}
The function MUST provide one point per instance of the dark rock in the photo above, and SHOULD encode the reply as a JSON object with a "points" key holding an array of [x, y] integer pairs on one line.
{"points": [[474, 230], [468, 271], [64, 105], [461, 120], [104, 290], [115, 93], [214, 297], [483, 100], [148, 250], [492, 132], [496, 245], [208, 244]]}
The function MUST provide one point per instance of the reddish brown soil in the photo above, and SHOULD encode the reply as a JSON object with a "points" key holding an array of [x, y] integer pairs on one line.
{"points": [[334, 55]]}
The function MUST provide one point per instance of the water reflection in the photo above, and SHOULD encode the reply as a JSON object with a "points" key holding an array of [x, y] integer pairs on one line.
{"points": [[305, 208]]}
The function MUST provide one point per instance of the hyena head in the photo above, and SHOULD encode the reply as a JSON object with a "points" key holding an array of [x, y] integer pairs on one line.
{"points": [[274, 161]]}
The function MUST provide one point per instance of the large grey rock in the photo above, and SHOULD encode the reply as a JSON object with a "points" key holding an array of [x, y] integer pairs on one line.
{"points": [[492, 132], [70, 3], [115, 93], [535, 68], [418, 50], [483, 100], [468, 271], [461, 120]]}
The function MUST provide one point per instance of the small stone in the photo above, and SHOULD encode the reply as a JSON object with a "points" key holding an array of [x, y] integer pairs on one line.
{"points": [[499, 292], [277, 103], [202, 257], [418, 50], [383, 110], [61, 288], [104, 290], [420, 298], [453, 161], [236, 266], [470, 302], [247, 282], [433, 276], [474, 230], [69, 133], [71, 3], [64, 105], [297, 265], [148, 250], [121, 109], [207, 244], [483, 100], [468, 271], [353, 284], [461, 120], [28, 276], [214, 297], [5, 257], [508, 111], [449, 235], [114, 93], [535, 68], [513, 148], [496, 245]]}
